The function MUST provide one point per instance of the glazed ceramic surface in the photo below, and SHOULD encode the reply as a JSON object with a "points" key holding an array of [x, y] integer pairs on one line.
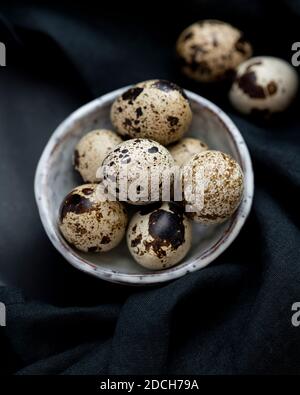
{"points": [[55, 177]]}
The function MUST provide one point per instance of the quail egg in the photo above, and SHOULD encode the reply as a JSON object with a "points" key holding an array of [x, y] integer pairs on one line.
{"points": [[89, 222], [155, 109], [91, 150], [221, 180], [210, 50], [185, 149], [159, 237], [135, 169], [263, 85]]}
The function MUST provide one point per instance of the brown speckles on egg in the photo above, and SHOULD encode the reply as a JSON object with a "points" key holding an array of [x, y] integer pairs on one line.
{"points": [[263, 85], [223, 183], [87, 191], [75, 203], [209, 50], [248, 84], [90, 224], [160, 111], [152, 150], [173, 121], [168, 86], [127, 123], [132, 94], [91, 150], [188, 35], [139, 112], [136, 241], [167, 230], [105, 240], [272, 88], [164, 236]]}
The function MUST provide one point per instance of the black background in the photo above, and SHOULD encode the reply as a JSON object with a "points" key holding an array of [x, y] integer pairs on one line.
{"points": [[232, 317]]}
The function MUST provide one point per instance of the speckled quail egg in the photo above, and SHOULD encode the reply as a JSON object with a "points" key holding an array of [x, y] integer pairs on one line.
{"points": [[155, 109], [210, 50], [159, 237], [91, 150], [222, 186], [185, 149], [89, 222], [131, 169], [263, 85]]}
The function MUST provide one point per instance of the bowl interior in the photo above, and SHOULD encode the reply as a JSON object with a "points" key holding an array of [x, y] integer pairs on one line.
{"points": [[55, 178]]}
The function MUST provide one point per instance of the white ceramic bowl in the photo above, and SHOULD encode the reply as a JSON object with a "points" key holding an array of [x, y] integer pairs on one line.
{"points": [[55, 177]]}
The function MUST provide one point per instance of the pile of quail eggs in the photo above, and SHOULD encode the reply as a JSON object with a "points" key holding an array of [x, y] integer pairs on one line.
{"points": [[212, 50], [150, 120]]}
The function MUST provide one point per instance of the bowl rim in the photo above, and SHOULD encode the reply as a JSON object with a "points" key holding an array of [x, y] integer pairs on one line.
{"points": [[235, 223]]}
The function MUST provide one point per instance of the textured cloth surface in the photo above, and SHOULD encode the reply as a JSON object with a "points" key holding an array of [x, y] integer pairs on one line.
{"points": [[234, 317]]}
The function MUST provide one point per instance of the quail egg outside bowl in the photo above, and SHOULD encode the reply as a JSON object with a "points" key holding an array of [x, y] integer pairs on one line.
{"points": [[55, 177]]}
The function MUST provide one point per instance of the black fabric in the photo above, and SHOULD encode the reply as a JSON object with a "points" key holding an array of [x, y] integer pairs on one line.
{"points": [[233, 317]]}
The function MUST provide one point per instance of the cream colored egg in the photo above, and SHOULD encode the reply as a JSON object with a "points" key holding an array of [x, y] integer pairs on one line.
{"points": [[155, 109], [264, 85], [90, 224], [135, 170], [159, 237], [221, 184], [185, 149], [91, 150], [210, 50]]}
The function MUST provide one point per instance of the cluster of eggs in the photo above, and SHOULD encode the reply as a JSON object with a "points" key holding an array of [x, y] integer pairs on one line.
{"points": [[212, 50], [152, 117], [150, 121]]}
